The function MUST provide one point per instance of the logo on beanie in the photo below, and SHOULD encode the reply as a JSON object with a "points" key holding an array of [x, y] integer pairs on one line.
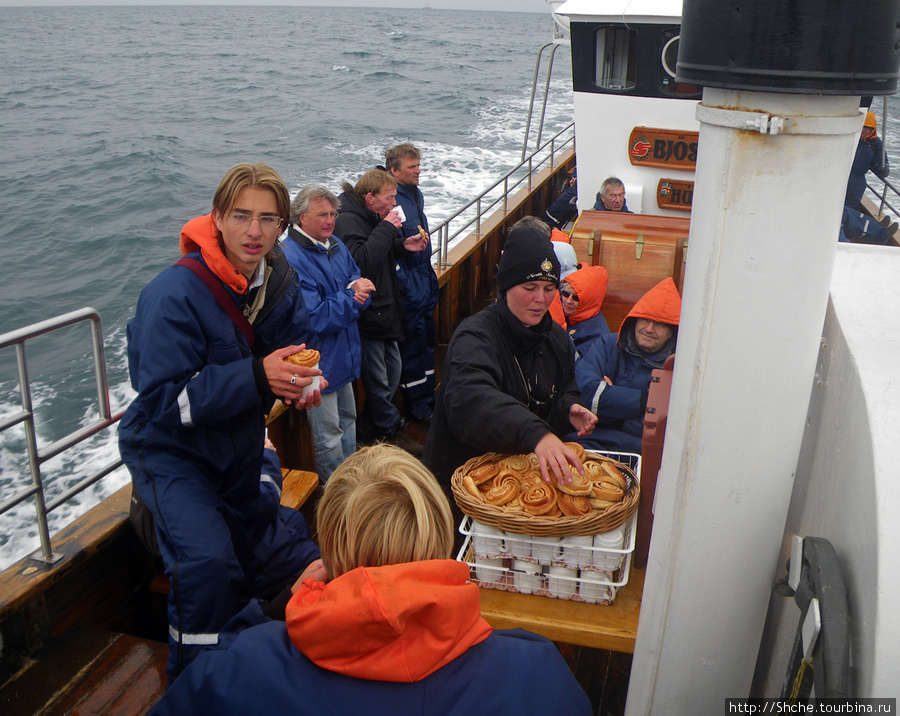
{"points": [[545, 273]]}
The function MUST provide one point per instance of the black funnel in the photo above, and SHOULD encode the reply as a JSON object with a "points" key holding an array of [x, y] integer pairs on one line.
{"points": [[839, 47]]}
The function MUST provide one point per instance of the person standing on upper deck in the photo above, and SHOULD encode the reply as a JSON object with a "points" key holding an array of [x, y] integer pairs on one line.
{"points": [[335, 294], [564, 208], [418, 287], [611, 196], [614, 376], [869, 156], [369, 227]]}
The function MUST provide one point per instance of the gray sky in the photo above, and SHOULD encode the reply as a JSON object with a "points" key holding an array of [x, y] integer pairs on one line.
{"points": [[512, 5]]}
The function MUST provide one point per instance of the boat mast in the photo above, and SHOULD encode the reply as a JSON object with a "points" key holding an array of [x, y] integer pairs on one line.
{"points": [[779, 126]]}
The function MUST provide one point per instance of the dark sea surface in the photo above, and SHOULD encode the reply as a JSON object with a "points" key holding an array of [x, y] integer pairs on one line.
{"points": [[116, 125]]}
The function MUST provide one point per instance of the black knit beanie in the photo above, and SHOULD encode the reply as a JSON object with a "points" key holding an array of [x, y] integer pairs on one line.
{"points": [[528, 255]]}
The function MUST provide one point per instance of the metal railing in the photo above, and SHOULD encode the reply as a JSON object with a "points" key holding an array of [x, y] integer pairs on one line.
{"points": [[497, 195], [884, 200], [36, 455]]}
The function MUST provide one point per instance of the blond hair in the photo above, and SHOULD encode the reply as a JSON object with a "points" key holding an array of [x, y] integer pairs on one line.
{"points": [[380, 507]]}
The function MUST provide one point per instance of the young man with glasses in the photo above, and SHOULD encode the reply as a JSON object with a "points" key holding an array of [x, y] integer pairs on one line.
{"points": [[193, 437]]}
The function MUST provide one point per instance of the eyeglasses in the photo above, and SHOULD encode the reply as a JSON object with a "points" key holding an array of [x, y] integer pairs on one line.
{"points": [[266, 223], [326, 215], [567, 293]]}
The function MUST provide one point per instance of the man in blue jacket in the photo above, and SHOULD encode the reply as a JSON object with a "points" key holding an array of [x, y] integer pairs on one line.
{"points": [[418, 287], [334, 293], [565, 208], [870, 156], [611, 196]]}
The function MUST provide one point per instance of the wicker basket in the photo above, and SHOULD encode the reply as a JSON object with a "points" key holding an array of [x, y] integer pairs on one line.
{"points": [[522, 523]]}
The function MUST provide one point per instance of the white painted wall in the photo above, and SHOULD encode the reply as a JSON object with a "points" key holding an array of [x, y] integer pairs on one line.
{"points": [[603, 124], [847, 488]]}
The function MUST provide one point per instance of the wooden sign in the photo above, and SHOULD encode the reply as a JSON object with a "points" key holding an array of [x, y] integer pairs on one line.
{"points": [[666, 148], [675, 194]]}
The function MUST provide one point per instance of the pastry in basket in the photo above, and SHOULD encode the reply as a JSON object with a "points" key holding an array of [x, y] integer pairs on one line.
{"points": [[516, 463], [514, 505], [529, 480], [606, 491], [501, 493], [540, 499], [614, 475], [600, 504], [485, 472], [471, 487], [580, 484], [308, 358], [578, 449], [573, 505], [605, 471]]}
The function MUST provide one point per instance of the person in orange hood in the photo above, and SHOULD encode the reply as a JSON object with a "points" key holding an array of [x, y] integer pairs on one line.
{"points": [[582, 293], [396, 630], [614, 376]]}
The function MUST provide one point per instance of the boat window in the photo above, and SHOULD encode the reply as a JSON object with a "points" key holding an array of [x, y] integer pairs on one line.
{"points": [[616, 59], [668, 56]]}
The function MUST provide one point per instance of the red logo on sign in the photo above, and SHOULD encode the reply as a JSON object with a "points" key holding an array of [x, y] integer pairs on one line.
{"points": [[641, 148]]}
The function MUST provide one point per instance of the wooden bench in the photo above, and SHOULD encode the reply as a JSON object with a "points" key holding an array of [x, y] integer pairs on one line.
{"points": [[612, 627]]}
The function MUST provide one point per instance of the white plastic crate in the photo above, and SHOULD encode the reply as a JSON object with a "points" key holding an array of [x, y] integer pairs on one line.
{"points": [[588, 568]]}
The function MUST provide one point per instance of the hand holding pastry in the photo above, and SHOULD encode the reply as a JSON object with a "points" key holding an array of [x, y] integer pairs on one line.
{"points": [[287, 379], [415, 243]]}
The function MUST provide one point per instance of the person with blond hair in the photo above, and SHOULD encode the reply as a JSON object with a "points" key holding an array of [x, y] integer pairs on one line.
{"points": [[206, 350], [394, 627]]}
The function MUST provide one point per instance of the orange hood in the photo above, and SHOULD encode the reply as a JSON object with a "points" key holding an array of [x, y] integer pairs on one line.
{"points": [[201, 233], [396, 623], [556, 312], [661, 304], [590, 285], [560, 235]]}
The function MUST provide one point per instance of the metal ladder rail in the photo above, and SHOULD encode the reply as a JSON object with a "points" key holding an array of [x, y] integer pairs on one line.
{"points": [[555, 43], [36, 456]]}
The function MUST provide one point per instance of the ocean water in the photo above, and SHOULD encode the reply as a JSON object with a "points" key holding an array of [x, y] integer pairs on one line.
{"points": [[117, 124]]}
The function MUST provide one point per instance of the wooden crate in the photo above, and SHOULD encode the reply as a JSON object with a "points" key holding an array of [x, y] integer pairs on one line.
{"points": [[638, 250]]}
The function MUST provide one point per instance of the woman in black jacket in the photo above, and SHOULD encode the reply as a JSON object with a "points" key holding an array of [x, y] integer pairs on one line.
{"points": [[508, 383]]}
